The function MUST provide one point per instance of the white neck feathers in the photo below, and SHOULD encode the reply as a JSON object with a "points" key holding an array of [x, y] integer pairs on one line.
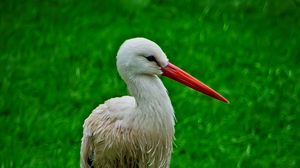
{"points": [[153, 103]]}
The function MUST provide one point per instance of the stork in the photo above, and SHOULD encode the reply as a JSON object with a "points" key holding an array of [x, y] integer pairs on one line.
{"points": [[137, 131]]}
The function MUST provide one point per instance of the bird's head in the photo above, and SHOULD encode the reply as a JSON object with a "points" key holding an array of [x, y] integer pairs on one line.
{"points": [[140, 56]]}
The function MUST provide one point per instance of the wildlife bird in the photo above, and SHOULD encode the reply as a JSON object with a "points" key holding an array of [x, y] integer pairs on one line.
{"points": [[137, 131]]}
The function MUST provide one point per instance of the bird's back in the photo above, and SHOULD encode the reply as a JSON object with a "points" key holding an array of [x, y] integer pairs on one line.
{"points": [[110, 140], [99, 126]]}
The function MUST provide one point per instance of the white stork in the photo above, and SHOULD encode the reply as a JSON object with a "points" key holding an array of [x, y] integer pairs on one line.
{"points": [[137, 131]]}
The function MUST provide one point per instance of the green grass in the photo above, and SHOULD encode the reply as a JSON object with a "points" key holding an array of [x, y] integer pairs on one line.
{"points": [[57, 63]]}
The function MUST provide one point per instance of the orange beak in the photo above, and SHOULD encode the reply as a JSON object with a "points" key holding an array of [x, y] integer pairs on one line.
{"points": [[173, 72]]}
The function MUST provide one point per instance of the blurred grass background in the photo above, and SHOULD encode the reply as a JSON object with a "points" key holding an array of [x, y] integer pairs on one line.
{"points": [[57, 63]]}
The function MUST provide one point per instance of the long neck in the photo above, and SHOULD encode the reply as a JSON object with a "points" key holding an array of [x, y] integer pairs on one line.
{"points": [[153, 103]]}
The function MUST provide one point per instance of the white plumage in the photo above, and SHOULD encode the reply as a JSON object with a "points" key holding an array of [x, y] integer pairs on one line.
{"points": [[138, 130]]}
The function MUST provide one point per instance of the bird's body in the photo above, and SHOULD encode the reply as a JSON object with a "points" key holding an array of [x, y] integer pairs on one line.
{"points": [[119, 133], [138, 130]]}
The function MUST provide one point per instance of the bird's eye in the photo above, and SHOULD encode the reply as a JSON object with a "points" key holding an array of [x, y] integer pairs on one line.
{"points": [[151, 58]]}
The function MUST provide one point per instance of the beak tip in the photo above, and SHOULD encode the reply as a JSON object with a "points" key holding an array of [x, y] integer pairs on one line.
{"points": [[224, 100]]}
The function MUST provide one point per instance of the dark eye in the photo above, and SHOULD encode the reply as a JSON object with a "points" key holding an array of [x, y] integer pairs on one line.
{"points": [[151, 58]]}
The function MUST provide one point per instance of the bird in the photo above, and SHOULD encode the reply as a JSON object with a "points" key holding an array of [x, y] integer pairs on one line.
{"points": [[137, 131]]}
